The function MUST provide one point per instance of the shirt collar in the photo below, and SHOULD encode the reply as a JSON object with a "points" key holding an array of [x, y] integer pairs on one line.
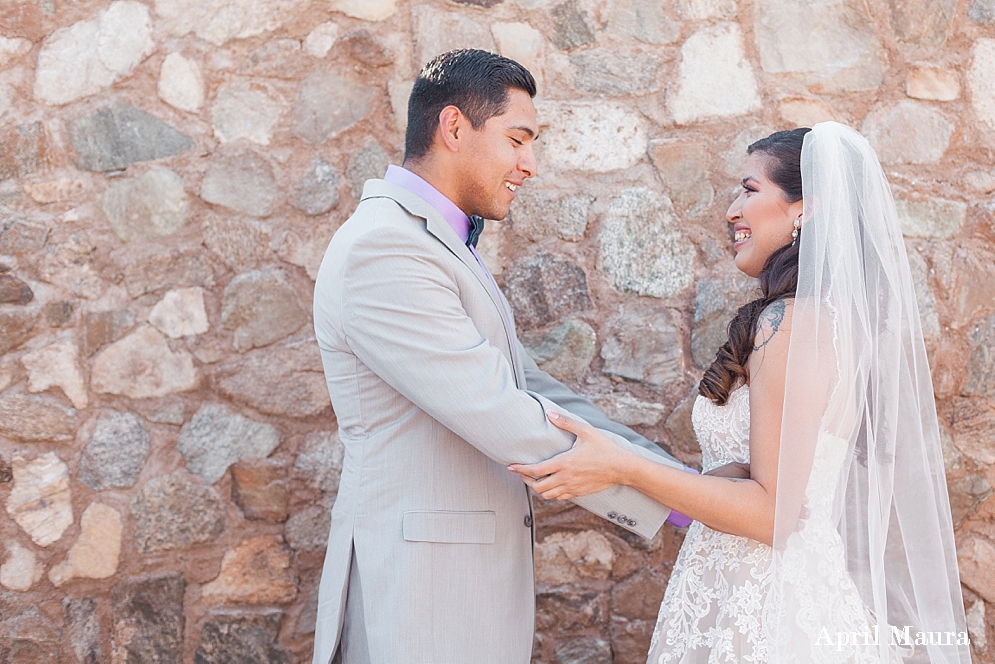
{"points": [[454, 216]]}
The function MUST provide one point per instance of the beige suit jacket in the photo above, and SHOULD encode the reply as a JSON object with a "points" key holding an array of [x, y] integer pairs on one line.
{"points": [[432, 405]]}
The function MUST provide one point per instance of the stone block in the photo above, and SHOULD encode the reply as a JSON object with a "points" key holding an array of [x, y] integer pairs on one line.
{"points": [[20, 236], [965, 494], [679, 428], [142, 365], [320, 461], [321, 39], [173, 512], [438, 31], [172, 414], [981, 80], [981, 365], [55, 191], [148, 620], [630, 411], [305, 247], [976, 560], [931, 217], [683, 166], [24, 150], [248, 638], [181, 83], [982, 12], [588, 650], [638, 597], [148, 270], [932, 83], [30, 419], [318, 189], [536, 214], [96, 553], [924, 295], [715, 79], [254, 571], [701, 10], [646, 22], [544, 287], [247, 110], [30, 638], [83, 625], [69, 265], [925, 24], [180, 313], [522, 43], [564, 352], [149, 206], [241, 243], [14, 291], [287, 379], [367, 10], [112, 137], [90, 55], [571, 25], [887, 130], [275, 58], [116, 452], [59, 314], [614, 72], [12, 49], [57, 365], [589, 136], [829, 46], [973, 422], [717, 300], [308, 530], [329, 103], [366, 49], [259, 488], [369, 163], [240, 179], [976, 620], [645, 347], [642, 248], [21, 568], [260, 308], [220, 21], [103, 327], [16, 323], [563, 558], [40, 501], [215, 438], [570, 609]]}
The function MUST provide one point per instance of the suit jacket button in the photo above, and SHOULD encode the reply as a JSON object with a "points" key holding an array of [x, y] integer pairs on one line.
{"points": [[528, 520], [612, 515], [623, 519], [632, 522]]}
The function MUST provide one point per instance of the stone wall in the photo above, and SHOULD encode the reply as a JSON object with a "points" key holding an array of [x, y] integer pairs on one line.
{"points": [[171, 171]]}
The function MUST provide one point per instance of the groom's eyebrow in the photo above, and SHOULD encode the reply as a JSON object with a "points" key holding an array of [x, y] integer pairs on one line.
{"points": [[526, 130]]}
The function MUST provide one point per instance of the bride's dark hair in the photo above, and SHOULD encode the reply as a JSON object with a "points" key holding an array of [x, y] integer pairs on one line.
{"points": [[778, 278]]}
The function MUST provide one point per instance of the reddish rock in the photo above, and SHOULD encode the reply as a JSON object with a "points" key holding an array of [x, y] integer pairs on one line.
{"points": [[259, 488], [254, 571], [24, 150]]}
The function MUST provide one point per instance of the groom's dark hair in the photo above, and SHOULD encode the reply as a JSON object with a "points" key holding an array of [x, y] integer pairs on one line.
{"points": [[476, 82]]}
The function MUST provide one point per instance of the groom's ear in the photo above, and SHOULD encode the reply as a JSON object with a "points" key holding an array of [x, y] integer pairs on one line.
{"points": [[451, 126]]}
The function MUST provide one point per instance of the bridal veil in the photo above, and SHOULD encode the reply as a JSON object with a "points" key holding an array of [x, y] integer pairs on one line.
{"points": [[859, 436]]}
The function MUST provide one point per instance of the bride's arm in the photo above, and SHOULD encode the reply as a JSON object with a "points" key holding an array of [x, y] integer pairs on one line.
{"points": [[737, 506]]}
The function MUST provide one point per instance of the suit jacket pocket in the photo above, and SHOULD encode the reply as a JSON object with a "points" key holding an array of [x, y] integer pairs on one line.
{"points": [[450, 527]]}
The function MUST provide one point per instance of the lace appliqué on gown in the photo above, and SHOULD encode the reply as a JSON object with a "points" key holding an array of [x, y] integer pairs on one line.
{"points": [[714, 607]]}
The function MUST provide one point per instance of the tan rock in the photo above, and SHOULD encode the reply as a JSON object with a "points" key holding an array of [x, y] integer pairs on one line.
{"points": [[974, 428], [95, 554], [181, 83], [32, 419], [805, 112], [932, 83], [254, 571], [368, 10], [981, 80], [630, 411], [976, 625], [180, 313], [21, 569], [57, 365], [522, 43], [55, 191], [40, 500], [259, 488], [569, 557], [141, 365], [320, 40], [976, 558]]}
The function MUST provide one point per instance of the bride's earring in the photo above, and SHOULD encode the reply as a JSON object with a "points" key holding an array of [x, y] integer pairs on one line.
{"points": [[794, 233]]}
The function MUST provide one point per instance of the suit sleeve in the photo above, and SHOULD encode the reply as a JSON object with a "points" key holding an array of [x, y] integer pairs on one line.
{"points": [[403, 318]]}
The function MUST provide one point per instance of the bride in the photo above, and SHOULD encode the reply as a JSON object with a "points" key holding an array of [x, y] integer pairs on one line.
{"points": [[839, 547]]}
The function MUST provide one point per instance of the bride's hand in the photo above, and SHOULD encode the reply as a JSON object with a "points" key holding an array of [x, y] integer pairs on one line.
{"points": [[591, 465]]}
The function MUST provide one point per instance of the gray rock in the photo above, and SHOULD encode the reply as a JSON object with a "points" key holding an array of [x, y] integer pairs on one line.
{"points": [[33, 419], [643, 21], [544, 288], [630, 411], [566, 351], [83, 626], [924, 295], [570, 26], [114, 136], [614, 72], [287, 379], [148, 620], [215, 438], [173, 512], [642, 248], [260, 308], [308, 617], [830, 47], [437, 31], [308, 530], [887, 130], [924, 23], [16, 324], [172, 414], [329, 103], [592, 136], [245, 638], [932, 217], [246, 109], [369, 163], [683, 166], [320, 461], [69, 265], [539, 214], [30, 638], [24, 150], [318, 190], [103, 327], [21, 236], [150, 270], [645, 347], [59, 314], [219, 21], [149, 206], [981, 366], [585, 651], [115, 453], [240, 179], [715, 305], [982, 11], [241, 243]]}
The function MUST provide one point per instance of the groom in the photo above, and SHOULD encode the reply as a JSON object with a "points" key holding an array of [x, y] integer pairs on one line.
{"points": [[429, 557]]}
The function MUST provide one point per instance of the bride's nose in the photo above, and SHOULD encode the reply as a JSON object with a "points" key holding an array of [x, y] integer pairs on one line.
{"points": [[735, 211]]}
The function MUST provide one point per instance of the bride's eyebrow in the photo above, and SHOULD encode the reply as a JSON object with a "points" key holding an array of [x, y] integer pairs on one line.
{"points": [[750, 178]]}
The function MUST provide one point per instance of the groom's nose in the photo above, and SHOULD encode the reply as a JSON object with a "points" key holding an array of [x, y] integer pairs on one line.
{"points": [[527, 161]]}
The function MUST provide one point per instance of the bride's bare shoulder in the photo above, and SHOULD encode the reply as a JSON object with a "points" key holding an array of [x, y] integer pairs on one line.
{"points": [[773, 320]]}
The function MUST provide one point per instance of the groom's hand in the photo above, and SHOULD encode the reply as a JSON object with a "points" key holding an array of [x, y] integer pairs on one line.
{"points": [[736, 471]]}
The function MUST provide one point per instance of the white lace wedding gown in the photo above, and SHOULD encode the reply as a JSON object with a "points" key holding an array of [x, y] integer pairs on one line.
{"points": [[714, 608]]}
